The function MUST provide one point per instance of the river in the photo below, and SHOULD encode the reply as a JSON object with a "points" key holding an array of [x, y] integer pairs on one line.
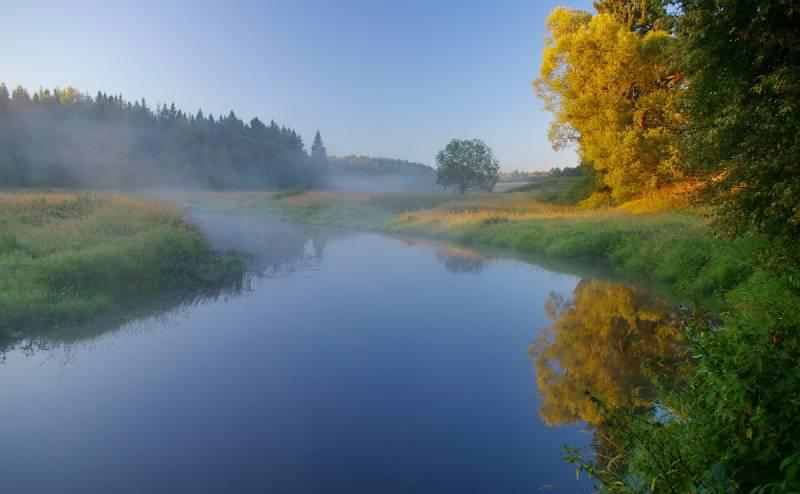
{"points": [[342, 363]]}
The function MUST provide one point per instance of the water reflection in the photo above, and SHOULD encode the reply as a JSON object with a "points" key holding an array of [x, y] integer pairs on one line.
{"points": [[135, 317], [273, 249], [334, 366], [597, 343], [460, 260]]}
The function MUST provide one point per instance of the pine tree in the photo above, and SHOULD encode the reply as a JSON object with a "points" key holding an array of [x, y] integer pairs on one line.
{"points": [[4, 96], [318, 151]]}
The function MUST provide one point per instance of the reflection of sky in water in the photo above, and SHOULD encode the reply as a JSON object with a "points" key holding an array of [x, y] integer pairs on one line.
{"points": [[351, 363]]}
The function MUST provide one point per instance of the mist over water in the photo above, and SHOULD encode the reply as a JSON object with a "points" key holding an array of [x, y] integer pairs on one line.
{"points": [[347, 363]]}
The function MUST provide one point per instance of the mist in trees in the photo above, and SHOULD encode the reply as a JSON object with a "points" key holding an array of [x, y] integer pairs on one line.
{"points": [[375, 173], [62, 138]]}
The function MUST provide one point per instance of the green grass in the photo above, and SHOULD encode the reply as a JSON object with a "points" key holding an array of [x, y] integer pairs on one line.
{"points": [[65, 257]]}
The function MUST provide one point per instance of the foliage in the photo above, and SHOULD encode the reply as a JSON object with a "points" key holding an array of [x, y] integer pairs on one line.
{"points": [[467, 165], [545, 183], [520, 176], [615, 93], [570, 171], [640, 16], [62, 138], [74, 255], [576, 191], [728, 424], [743, 60]]}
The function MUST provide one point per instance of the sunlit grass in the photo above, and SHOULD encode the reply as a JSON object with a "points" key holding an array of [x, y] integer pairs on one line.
{"points": [[657, 238]]}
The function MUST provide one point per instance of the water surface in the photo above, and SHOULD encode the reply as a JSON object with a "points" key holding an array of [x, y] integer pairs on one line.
{"points": [[346, 363]]}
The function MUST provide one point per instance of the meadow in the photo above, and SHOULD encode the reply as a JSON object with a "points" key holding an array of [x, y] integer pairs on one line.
{"points": [[67, 256]]}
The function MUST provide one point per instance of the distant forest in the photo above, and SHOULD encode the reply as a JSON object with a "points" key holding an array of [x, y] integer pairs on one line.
{"points": [[369, 173], [524, 176], [63, 138], [370, 165]]}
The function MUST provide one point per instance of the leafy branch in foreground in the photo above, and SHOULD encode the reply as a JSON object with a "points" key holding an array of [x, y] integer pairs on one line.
{"points": [[728, 420]]}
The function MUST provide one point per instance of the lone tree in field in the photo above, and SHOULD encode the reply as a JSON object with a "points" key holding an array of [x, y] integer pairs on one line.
{"points": [[467, 165]]}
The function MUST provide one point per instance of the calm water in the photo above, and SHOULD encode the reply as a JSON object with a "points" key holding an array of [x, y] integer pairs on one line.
{"points": [[349, 364]]}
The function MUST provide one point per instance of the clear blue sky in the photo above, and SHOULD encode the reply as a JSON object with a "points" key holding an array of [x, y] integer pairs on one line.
{"points": [[389, 78]]}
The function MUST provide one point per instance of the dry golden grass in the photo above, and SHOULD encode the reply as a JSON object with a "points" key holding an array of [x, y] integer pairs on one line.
{"points": [[46, 222], [498, 208], [671, 198]]}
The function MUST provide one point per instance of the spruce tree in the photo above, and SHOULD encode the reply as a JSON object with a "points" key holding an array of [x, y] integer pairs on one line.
{"points": [[318, 151]]}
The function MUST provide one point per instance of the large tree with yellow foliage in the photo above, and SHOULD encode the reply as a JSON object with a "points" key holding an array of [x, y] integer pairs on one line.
{"points": [[610, 81]]}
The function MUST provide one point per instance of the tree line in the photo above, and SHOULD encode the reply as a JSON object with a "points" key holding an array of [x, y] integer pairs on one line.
{"points": [[378, 165], [63, 138], [701, 95], [660, 92]]}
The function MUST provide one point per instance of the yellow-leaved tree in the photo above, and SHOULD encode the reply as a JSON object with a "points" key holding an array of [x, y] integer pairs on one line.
{"points": [[614, 91]]}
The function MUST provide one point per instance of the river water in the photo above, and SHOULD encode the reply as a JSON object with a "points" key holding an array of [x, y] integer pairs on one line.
{"points": [[343, 363]]}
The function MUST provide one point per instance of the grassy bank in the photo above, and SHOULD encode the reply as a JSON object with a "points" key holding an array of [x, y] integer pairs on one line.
{"points": [[67, 256], [641, 241]]}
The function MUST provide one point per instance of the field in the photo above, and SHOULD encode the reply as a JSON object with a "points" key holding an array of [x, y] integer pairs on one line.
{"points": [[67, 256]]}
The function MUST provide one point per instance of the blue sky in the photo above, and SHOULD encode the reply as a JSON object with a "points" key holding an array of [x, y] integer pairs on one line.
{"points": [[387, 78]]}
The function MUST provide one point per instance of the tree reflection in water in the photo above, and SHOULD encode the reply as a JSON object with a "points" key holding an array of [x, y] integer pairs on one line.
{"points": [[598, 343], [459, 260]]}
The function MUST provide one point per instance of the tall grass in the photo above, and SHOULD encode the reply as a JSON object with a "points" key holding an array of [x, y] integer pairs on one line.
{"points": [[67, 256]]}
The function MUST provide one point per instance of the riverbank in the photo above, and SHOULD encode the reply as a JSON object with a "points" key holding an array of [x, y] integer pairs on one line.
{"points": [[65, 257], [640, 241]]}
